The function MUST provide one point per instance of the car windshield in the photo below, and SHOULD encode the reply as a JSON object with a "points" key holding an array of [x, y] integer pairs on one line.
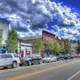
{"points": [[5, 56]]}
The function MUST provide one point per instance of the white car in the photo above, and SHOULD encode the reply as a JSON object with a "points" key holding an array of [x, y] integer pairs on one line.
{"points": [[49, 59], [7, 60], [54, 58]]}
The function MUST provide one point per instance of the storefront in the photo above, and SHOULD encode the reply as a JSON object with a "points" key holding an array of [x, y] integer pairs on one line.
{"points": [[25, 48]]}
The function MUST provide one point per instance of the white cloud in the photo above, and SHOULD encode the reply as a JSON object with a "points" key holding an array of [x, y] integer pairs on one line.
{"points": [[40, 12]]}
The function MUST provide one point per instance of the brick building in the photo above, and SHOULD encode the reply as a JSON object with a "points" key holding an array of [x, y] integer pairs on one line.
{"points": [[46, 37]]}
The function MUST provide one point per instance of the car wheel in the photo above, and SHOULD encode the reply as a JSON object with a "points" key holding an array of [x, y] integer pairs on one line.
{"points": [[5, 67], [14, 64]]}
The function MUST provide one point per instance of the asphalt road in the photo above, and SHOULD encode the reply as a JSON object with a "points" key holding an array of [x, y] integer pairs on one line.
{"points": [[61, 70]]}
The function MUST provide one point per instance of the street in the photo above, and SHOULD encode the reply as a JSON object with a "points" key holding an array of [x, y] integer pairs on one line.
{"points": [[61, 70], [39, 39]]}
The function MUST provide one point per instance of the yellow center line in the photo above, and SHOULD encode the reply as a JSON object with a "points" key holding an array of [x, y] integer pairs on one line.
{"points": [[26, 75]]}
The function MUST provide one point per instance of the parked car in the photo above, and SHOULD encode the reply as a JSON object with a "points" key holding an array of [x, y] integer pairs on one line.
{"points": [[36, 59], [26, 61], [60, 57], [9, 60], [67, 56], [31, 60], [48, 59]]}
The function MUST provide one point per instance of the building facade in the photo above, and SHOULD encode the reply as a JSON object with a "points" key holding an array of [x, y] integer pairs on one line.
{"points": [[26, 44], [46, 37], [74, 47]]}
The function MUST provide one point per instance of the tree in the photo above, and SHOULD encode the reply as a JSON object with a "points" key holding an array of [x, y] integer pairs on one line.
{"points": [[55, 47], [38, 45], [67, 46], [12, 41]]}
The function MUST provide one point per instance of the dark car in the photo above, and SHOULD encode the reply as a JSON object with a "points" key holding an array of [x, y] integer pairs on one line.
{"points": [[31, 60], [60, 57], [68, 56], [64, 56], [27, 61], [36, 59]]}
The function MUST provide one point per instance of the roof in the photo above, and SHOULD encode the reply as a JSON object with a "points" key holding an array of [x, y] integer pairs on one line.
{"points": [[30, 38], [52, 33], [49, 32]]}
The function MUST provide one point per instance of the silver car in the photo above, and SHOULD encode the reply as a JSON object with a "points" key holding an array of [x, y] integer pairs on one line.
{"points": [[48, 59], [9, 60]]}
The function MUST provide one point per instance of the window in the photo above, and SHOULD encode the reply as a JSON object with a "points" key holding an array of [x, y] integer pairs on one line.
{"points": [[5, 56]]}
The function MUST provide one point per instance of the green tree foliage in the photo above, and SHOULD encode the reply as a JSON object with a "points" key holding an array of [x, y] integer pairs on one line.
{"points": [[51, 46], [38, 45], [67, 46], [12, 41], [56, 47]]}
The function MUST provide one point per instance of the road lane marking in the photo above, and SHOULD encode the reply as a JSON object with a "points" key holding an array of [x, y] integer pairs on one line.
{"points": [[26, 75], [73, 76]]}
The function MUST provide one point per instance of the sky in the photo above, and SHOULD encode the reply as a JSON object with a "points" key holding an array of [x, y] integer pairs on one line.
{"points": [[30, 17], [71, 3], [74, 5]]}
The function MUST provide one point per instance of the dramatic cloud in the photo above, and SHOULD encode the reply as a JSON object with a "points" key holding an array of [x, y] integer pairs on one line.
{"points": [[29, 17], [36, 11]]}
